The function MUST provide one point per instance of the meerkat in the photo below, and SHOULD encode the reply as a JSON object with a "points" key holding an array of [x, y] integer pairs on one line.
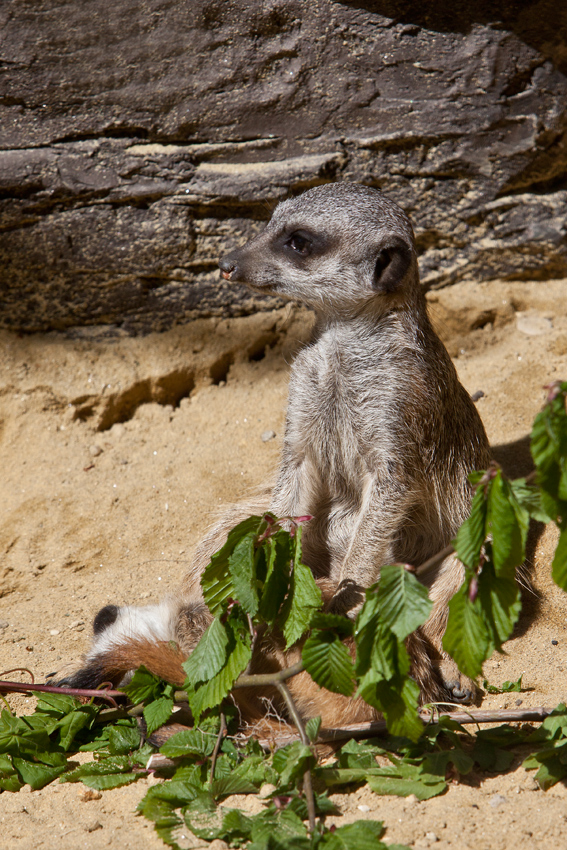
{"points": [[380, 438]]}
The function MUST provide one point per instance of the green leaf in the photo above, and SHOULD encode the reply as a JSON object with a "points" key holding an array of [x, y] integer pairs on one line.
{"points": [[328, 662], [9, 778], [37, 775], [143, 686], [278, 549], [360, 835], [501, 604], [559, 565], [509, 525], [467, 638], [212, 693], [216, 581], [209, 656], [312, 728], [246, 778], [292, 761], [241, 564], [157, 713], [472, 533], [404, 779], [189, 742], [303, 600], [403, 601], [123, 739], [507, 687], [530, 498]]}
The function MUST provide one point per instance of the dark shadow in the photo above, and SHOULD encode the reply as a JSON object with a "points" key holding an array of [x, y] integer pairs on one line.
{"points": [[514, 458], [542, 24]]}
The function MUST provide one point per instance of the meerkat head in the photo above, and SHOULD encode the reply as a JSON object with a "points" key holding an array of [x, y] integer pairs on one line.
{"points": [[338, 247]]}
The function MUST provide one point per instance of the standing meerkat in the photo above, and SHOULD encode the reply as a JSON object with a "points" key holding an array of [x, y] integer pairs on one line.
{"points": [[380, 435]]}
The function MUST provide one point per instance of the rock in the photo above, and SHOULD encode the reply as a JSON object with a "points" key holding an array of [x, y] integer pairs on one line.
{"points": [[533, 324], [268, 435], [87, 795], [497, 800], [95, 451], [120, 185]]}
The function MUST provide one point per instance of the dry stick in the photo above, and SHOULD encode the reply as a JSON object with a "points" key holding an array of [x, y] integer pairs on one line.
{"points": [[307, 784], [378, 727], [220, 737], [24, 688]]}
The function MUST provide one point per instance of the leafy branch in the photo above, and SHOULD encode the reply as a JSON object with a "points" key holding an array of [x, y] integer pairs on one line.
{"points": [[257, 588]]}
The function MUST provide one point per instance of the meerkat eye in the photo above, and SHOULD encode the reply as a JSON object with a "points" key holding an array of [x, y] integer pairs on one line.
{"points": [[299, 244]]}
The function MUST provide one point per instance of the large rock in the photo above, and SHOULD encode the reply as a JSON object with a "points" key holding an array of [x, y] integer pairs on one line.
{"points": [[138, 141]]}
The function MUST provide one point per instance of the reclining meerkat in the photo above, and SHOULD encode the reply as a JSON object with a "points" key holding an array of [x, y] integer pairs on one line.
{"points": [[380, 437]]}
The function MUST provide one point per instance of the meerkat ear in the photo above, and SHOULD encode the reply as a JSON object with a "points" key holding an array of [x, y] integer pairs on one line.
{"points": [[390, 269]]}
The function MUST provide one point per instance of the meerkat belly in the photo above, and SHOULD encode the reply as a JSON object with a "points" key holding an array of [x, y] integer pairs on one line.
{"points": [[332, 478]]}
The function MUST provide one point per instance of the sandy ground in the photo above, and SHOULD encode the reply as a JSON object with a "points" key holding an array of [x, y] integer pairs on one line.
{"points": [[114, 456]]}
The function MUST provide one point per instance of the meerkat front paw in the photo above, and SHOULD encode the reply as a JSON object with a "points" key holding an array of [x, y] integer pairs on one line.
{"points": [[348, 599], [460, 688]]}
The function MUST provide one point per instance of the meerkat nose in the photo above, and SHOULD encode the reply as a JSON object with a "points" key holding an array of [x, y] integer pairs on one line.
{"points": [[227, 266]]}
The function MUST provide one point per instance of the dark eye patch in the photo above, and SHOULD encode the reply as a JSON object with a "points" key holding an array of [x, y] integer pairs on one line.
{"points": [[302, 243]]}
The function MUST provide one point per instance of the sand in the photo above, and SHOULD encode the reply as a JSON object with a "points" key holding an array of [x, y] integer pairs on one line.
{"points": [[115, 454]]}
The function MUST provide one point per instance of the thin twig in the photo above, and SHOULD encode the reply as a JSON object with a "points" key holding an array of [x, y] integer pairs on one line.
{"points": [[24, 688], [378, 727], [297, 719], [262, 679], [220, 738], [435, 560]]}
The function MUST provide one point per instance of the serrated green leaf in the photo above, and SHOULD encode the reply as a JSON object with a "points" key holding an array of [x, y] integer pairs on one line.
{"points": [[500, 602], [559, 565], [361, 835], [508, 522], [246, 778], [278, 553], [241, 564], [467, 638], [18, 737], [143, 686], [123, 739], [9, 778], [328, 662], [312, 728], [303, 600], [403, 601], [530, 498], [212, 693], [157, 713], [189, 742], [209, 656], [37, 775], [216, 581], [292, 761], [401, 787], [472, 533]]}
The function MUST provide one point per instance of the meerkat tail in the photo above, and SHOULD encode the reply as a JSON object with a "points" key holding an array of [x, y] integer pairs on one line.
{"points": [[163, 659]]}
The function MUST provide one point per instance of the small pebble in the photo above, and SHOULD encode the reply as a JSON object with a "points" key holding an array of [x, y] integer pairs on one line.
{"points": [[431, 836], [268, 435], [93, 826], [497, 800], [4, 624], [95, 451], [411, 799], [54, 632], [519, 701], [88, 794], [533, 323], [554, 642], [363, 808]]}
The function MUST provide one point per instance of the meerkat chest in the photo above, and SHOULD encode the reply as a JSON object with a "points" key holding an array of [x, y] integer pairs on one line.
{"points": [[331, 423]]}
